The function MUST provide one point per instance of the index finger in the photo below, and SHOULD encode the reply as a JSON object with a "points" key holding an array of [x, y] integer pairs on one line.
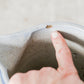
{"points": [[63, 53]]}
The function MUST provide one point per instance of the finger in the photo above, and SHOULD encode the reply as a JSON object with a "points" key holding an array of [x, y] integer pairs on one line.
{"points": [[47, 75], [63, 53], [18, 78]]}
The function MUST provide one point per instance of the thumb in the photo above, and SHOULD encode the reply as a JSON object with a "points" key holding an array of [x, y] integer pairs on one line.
{"points": [[63, 53]]}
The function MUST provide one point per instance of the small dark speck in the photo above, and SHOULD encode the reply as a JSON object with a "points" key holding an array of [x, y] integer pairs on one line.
{"points": [[49, 26]]}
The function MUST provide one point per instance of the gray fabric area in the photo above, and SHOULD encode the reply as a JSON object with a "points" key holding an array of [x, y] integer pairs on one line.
{"points": [[33, 49]]}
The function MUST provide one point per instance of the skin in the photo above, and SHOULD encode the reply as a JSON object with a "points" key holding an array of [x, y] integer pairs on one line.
{"points": [[65, 74]]}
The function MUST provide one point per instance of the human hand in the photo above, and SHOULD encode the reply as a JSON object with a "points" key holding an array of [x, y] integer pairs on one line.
{"points": [[65, 74]]}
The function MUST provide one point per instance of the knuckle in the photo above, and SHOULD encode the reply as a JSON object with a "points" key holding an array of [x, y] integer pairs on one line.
{"points": [[17, 75], [49, 68], [32, 72], [16, 78], [45, 69]]}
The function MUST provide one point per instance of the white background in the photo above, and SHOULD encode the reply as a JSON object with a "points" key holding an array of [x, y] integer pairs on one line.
{"points": [[17, 15]]}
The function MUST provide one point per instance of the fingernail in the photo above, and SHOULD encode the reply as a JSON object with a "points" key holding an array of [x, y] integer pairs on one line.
{"points": [[54, 34]]}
